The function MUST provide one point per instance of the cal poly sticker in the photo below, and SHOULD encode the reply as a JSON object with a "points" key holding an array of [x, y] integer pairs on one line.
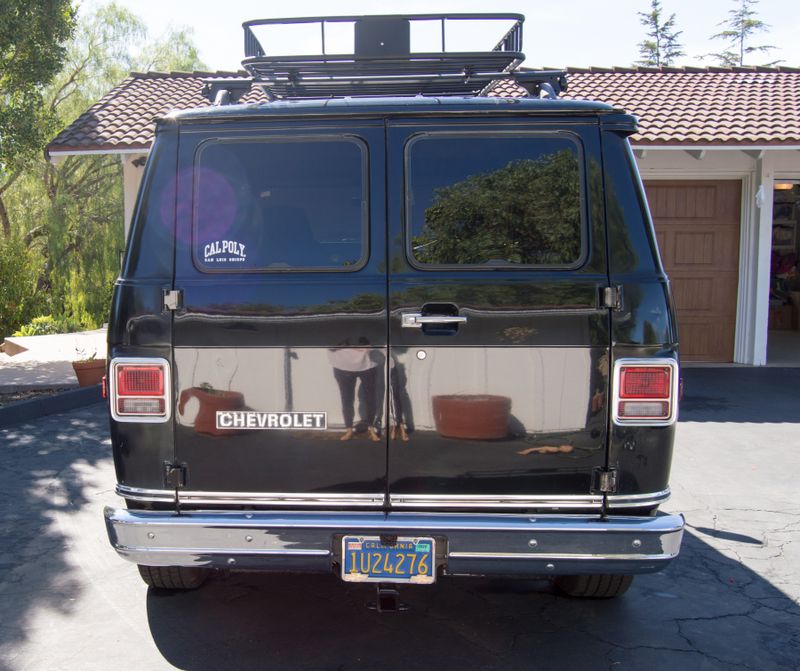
{"points": [[224, 251]]}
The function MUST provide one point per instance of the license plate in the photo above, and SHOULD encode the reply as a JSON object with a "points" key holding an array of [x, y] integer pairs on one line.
{"points": [[369, 559]]}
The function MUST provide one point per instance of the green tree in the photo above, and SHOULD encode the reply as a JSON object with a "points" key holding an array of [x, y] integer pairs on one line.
{"points": [[70, 215], [661, 46], [20, 296], [526, 212], [174, 51], [32, 50], [740, 27]]}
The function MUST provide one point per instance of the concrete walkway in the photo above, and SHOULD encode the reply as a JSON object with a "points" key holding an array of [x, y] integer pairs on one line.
{"points": [[32, 362]]}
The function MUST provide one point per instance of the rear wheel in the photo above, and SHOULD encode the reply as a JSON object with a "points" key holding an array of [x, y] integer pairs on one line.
{"points": [[173, 577], [594, 586]]}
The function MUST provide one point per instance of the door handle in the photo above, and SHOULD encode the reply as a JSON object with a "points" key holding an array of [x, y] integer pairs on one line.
{"points": [[415, 320]]}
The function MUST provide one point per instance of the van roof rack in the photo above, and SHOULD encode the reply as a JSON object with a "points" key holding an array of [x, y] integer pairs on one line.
{"points": [[382, 62]]}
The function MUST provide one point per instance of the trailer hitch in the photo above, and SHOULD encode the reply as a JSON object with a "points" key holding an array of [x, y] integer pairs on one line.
{"points": [[387, 600]]}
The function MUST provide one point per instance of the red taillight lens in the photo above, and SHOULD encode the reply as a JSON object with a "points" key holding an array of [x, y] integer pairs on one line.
{"points": [[645, 391], [645, 382], [139, 390], [140, 381]]}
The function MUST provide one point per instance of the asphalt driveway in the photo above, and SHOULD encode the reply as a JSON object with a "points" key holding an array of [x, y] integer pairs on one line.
{"points": [[729, 602]]}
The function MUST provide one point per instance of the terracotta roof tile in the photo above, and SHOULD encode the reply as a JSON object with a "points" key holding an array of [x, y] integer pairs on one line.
{"points": [[691, 105], [710, 106]]}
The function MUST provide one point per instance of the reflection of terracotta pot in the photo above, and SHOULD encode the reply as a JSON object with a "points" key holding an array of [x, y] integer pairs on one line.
{"points": [[89, 372], [210, 403], [472, 416]]}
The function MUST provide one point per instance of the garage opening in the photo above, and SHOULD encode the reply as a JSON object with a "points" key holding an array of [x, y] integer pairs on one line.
{"points": [[697, 224], [783, 339]]}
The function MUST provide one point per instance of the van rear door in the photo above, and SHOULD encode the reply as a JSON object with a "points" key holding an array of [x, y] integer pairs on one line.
{"points": [[499, 342], [280, 341]]}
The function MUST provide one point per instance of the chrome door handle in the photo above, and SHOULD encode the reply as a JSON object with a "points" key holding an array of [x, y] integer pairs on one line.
{"points": [[415, 320]]}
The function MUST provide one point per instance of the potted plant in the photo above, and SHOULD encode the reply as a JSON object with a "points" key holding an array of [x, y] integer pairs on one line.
{"points": [[472, 416], [88, 369], [211, 401]]}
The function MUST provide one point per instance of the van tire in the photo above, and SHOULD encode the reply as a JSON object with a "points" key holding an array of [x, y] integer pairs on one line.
{"points": [[173, 577], [594, 586]]}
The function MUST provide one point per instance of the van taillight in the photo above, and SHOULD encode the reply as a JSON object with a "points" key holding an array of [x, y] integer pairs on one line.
{"points": [[139, 390], [645, 381], [140, 380], [645, 391]]}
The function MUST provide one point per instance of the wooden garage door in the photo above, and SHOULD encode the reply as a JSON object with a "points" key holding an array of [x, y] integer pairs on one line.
{"points": [[697, 226]]}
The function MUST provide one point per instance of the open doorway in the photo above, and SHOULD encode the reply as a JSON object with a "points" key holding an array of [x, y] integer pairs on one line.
{"points": [[783, 340]]}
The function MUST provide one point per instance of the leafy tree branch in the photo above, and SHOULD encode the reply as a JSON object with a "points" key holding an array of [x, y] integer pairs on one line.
{"points": [[740, 27], [662, 46]]}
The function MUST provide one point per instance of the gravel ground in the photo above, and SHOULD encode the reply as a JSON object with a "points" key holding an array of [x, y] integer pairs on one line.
{"points": [[7, 398]]}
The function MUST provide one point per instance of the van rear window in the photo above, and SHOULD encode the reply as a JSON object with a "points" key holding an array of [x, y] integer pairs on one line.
{"points": [[283, 204], [505, 200]]}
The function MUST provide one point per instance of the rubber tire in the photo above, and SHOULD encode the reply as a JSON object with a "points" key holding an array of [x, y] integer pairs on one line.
{"points": [[594, 586], [173, 577]]}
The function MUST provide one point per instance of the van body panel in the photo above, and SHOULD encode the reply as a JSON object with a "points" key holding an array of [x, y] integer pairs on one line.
{"points": [[141, 449], [535, 341], [644, 326], [538, 336], [265, 336], [139, 326], [393, 317]]}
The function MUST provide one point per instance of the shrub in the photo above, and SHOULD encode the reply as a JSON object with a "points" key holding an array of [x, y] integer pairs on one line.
{"points": [[47, 325], [43, 325], [19, 275]]}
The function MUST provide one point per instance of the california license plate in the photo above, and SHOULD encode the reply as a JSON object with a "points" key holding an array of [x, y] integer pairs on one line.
{"points": [[371, 559]]}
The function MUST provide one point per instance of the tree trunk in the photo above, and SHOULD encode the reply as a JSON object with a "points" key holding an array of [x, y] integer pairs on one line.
{"points": [[4, 220]]}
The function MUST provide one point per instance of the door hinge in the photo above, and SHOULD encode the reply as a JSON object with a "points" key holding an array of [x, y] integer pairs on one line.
{"points": [[173, 299], [174, 475], [612, 297], [604, 480]]}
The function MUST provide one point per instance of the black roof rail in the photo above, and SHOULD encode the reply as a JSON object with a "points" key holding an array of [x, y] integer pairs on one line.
{"points": [[226, 90], [383, 64]]}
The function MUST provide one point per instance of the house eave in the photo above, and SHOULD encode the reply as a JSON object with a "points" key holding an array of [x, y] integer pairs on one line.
{"points": [[55, 155], [715, 147]]}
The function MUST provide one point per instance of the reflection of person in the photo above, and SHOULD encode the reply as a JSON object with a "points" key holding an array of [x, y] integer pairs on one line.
{"points": [[397, 378], [349, 365]]}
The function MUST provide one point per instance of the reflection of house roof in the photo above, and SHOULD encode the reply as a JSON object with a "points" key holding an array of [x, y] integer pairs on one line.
{"points": [[675, 106]]}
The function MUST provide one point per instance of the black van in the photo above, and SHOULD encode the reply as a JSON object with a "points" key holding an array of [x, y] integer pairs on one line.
{"points": [[391, 326]]}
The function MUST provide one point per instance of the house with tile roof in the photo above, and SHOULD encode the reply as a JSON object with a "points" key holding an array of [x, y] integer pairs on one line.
{"points": [[718, 150]]}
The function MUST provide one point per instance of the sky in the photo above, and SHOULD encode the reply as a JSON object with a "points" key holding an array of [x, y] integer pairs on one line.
{"points": [[558, 34]]}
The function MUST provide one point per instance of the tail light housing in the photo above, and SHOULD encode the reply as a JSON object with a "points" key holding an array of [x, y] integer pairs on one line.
{"points": [[645, 392], [139, 389]]}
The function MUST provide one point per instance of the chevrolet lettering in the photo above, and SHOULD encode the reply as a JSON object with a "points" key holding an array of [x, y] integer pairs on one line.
{"points": [[399, 322], [239, 419]]}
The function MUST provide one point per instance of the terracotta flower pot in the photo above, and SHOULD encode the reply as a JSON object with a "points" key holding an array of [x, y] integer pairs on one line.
{"points": [[211, 401], [478, 417], [89, 372]]}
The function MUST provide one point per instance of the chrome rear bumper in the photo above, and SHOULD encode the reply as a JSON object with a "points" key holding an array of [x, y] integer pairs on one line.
{"points": [[469, 544]]}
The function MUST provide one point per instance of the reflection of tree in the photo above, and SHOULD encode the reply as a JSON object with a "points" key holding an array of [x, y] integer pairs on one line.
{"points": [[526, 212], [361, 304]]}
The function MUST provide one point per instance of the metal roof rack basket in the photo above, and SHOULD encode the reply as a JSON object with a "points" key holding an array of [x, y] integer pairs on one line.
{"points": [[383, 64]]}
